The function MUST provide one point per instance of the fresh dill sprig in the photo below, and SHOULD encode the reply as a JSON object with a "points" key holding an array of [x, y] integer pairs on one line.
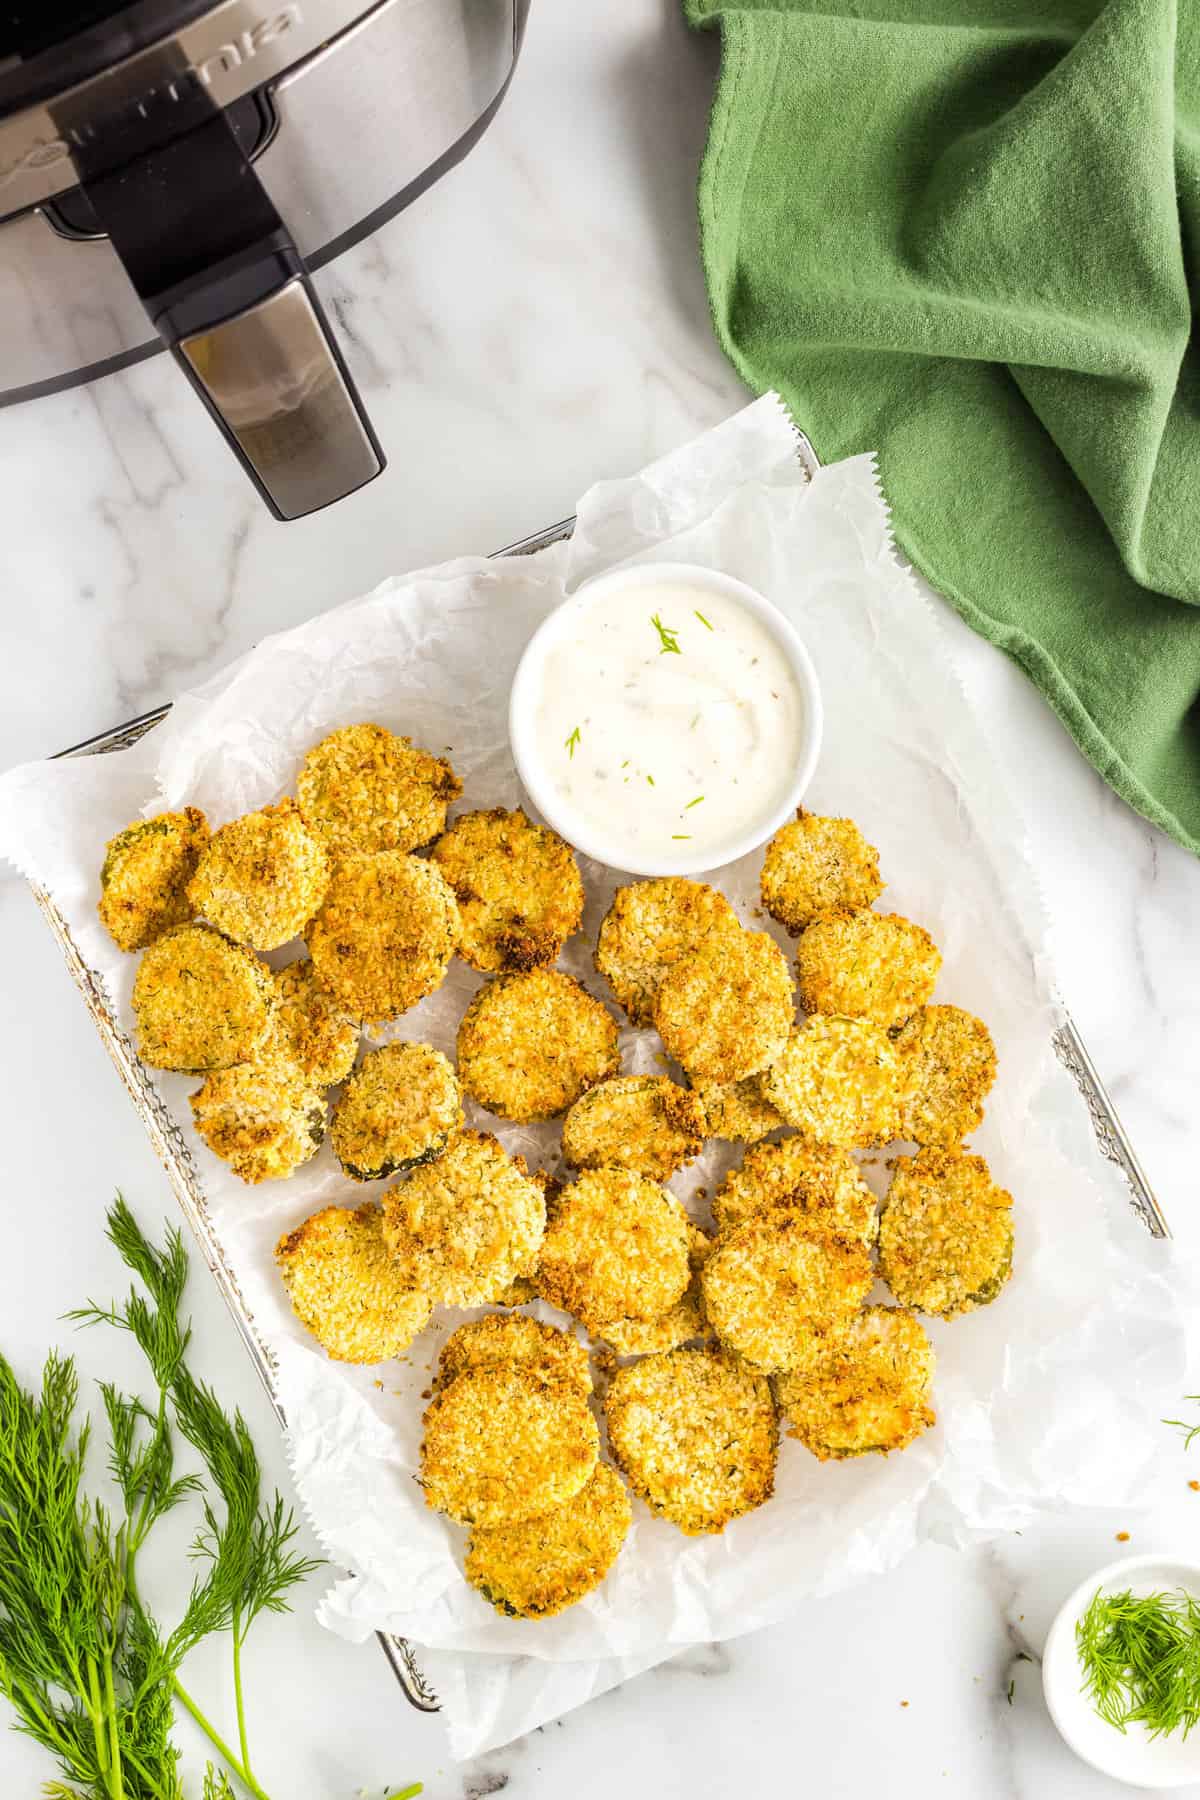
{"points": [[668, 638], [571, 744], [1190, 1432], [1140, 1657], [707, 623]]}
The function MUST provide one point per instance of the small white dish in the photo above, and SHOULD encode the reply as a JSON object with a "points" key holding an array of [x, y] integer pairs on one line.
{"points": [[557, 809], [1131, 1756]]}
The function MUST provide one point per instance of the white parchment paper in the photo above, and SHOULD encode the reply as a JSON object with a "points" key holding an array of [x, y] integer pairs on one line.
{"points": [[1050, 1398]]}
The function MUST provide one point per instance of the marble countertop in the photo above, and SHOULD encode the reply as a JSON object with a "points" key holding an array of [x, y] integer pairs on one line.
{"points": [[536, 322]]}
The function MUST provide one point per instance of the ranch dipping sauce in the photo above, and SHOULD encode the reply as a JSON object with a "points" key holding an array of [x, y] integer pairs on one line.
{"points": [[669, 719]]}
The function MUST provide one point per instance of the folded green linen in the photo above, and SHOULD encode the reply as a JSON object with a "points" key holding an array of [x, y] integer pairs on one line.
{"points": [[966, 233]]}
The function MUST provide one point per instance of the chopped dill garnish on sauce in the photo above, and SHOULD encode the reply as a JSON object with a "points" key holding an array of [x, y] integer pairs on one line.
{"points": [[696, 802], [570, 743], [625, 764], [678, 836], [705, 622], [650, 779], [1140, 1659], [668, 637]]}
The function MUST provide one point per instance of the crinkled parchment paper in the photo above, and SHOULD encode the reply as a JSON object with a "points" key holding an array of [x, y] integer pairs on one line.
{"points": [[1050, 1398]]}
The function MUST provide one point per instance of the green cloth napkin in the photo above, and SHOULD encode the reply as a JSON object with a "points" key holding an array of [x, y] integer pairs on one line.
{"points": [[965, 233]]}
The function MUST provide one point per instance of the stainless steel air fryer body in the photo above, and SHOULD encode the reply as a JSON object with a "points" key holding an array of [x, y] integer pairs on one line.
{"points": [[171, 172]]}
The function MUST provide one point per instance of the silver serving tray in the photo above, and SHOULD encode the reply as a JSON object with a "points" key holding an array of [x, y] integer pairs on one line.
{"points": [[184, 1177]]}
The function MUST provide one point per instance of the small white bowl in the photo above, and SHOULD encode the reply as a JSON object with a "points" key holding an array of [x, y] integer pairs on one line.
{"points": [[541, 788], [1131, 1756]]}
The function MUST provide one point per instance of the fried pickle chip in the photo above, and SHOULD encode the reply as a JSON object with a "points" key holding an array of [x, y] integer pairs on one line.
{"points": [[385, 934], [364, 790], [514, 1338], [505, 1443], [725, 1011], [518, 888], [201, 1002], [813, 864], [866, 965], [866, 1389], [680, 1324], [463, 1227], [312, 1032], [773, 1285], [738, 1111], [616, 1248], [399, 1108], [539, 1567], [143, 882], [695, 1433], [945, 1233], [811, 1177], [343, 1286], [530, 1045], [261, 878], [949, 1067], [839, 1081], [643, 1122], [262, 1119], [651, 925]]}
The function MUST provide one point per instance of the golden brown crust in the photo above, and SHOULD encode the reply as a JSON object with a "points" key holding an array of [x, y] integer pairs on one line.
{"points": [[866, 1389], [344, 1288], [539, 1567], [777, 1282], [260, 1118], [838, 1081], [945, 1233], [312, 1032], [261, 878], [811, 1177], [506, 1443], [866, 965], [201, 1002], [518, 889], [725, 1011], [949, 1068], [362, 789], [399, 1108], [651, 925], [143, 882], [696, 1434], [514, 1338], [813, 864], [642, 1122], [385, 934], [463, 1227], [616, 1248], [683, 1323], [738, 1111], [530, 1045]]}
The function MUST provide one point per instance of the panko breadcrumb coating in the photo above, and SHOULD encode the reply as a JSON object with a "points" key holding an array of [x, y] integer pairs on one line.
{"points": [[681, 1324], [201, 1002], [507, 1442], [866, 965], [949, 1067], [839, 1081], [648, 927], [144, 878], [616, 1248], [945, 1233], [518, 888], [696, 1434], [399, 1108], [643, 1122], [738, 1111], [774, 1284], [514, 1338], [866, 1389], [385, 934], [725, 1011], [343, 1286], [262, 1119], [813, 864], [261, 878], [539, 1567], [530, 1045], [312, 1032], [814, 1178], [363, 789], [463, 1227]]}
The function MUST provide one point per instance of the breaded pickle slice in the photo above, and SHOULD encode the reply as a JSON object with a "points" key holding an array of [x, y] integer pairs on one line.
{"points": [[530, 1045], [261, 878], [812, 1177], [506, 1442], [866, 965], [201, 1002], [539, 1567], [650, 926], [514, 1338], [463, 1227], [642, 1122], [363, 789], [774, 1284], [399, 1108], [518, 889], [813, 864], [945, 1233], [144, 878], [343, 1286], [312, 1032], [838, 1081], [695, 1433], [385, 934], [738, 1111], [949, 1068], [616, 1248], [725, 1011], [682, 1323], [866, 1389], [262, 1119]]}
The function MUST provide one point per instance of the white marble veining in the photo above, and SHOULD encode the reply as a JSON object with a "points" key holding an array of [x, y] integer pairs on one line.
{"points": [[536, 322]]}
